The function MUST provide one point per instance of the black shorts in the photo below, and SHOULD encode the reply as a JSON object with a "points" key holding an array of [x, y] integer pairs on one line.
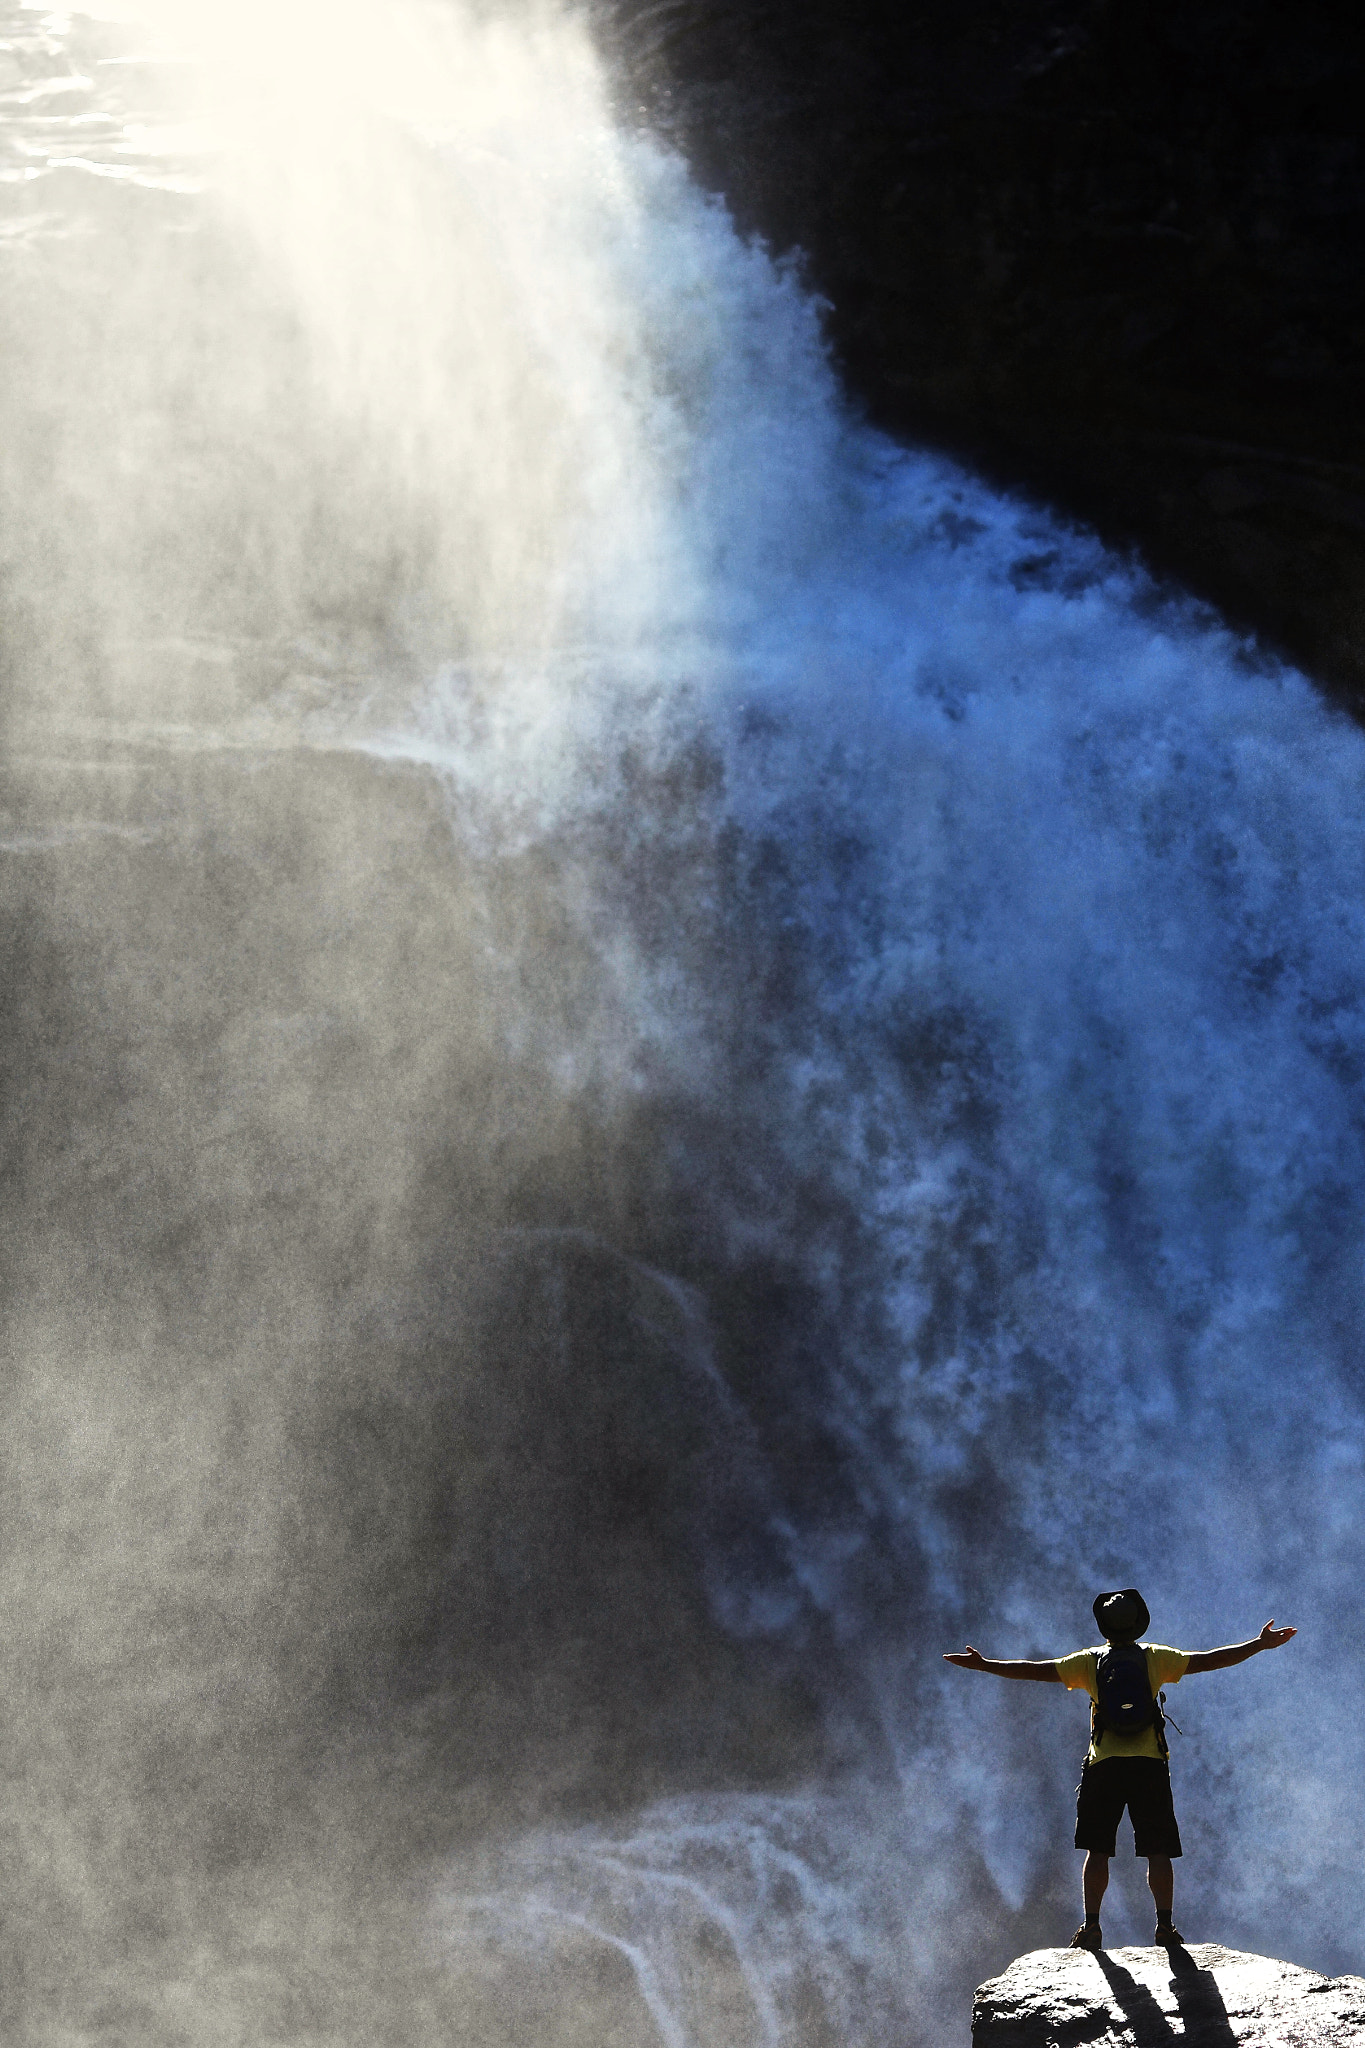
{"points": [[1143, 1785]]}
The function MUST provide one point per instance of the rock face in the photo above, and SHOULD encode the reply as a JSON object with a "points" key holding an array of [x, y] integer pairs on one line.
{"points": [[1206, 1997], [1108, 248]]}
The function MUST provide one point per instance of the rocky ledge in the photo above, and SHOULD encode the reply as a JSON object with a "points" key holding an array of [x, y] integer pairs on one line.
{"points": [[1205, 1997]]}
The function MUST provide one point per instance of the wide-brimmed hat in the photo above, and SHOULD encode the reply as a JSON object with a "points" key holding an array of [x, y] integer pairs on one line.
{"points": [[1121, 1614]]}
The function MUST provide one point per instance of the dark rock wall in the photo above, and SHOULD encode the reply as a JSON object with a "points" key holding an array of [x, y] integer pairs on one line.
{"points": [[1109, 249]]}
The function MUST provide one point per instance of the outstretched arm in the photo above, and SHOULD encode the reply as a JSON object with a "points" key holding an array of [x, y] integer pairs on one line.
{"points": [[1004, 1667], [1270, 1638]]}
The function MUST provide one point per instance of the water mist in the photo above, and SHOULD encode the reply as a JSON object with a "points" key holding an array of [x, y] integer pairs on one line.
{"points": [[659, 1056]]}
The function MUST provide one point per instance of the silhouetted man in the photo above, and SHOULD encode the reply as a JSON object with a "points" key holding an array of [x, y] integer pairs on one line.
{"points": [[1128, 1763]]}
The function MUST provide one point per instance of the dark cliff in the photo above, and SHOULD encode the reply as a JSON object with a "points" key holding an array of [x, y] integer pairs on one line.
{"points": [[1108, 249]]}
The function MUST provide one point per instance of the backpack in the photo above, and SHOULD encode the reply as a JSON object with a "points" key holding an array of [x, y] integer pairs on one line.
{"points": [[1125, 1705]]}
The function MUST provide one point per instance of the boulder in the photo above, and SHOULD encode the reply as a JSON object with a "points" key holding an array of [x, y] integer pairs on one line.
{"points": [[1205, 1997]]}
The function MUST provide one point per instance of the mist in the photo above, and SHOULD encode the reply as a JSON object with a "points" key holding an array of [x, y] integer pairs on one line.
{"points": [[659, 1057]]}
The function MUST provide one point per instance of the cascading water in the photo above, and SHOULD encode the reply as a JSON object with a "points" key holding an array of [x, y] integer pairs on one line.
{"points": [[666, 1057]]}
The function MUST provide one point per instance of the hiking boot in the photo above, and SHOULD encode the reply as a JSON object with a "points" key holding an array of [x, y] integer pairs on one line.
{"points": [[1088, 1937], [1168, 1937]]}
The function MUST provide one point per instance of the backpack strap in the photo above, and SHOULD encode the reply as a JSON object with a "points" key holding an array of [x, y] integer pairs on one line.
{"points": [[1159, 1724]]}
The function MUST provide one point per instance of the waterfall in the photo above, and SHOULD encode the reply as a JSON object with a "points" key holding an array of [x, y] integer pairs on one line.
{"points": [[666, 1058]]}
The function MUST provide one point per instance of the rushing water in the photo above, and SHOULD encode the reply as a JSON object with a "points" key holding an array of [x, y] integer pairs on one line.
{"points": [[663, 1058]]}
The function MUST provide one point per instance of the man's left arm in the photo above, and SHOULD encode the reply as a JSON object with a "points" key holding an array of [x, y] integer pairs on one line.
{"points": [[1042, 1668]]}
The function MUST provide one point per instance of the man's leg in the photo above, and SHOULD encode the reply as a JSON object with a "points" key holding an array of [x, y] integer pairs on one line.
{"points": [[1095, 1881], [1160, 1881], [1094, 1878], [1156, 1836], [1099, 1808]]}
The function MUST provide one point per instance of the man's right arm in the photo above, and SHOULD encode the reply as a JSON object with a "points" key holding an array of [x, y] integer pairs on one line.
{"points": [[1270, 1638], [1005, 1667]]}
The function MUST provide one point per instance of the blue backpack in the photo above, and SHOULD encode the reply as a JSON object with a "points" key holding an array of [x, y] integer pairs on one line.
{"points": [[1126, 1704]]}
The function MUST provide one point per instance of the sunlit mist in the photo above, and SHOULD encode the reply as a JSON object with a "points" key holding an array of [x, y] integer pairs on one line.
{"points": [[658, 1053]]}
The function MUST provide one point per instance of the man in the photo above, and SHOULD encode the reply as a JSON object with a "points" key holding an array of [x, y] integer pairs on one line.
{"points": [[1126, 1765]]}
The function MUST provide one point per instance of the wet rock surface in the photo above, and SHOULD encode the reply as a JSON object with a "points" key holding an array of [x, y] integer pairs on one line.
{"points": [[1111, 251], [1205, 1996]]}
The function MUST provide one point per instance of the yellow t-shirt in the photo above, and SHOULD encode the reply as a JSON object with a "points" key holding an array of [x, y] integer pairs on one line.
{"points": [[1164, 1667]]}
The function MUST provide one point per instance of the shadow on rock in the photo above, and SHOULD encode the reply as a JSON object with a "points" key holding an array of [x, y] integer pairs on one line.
{"points": [[1198, 2000]]}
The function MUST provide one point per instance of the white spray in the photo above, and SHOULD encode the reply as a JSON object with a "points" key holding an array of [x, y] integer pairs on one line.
{"points": [[1062, 898]]}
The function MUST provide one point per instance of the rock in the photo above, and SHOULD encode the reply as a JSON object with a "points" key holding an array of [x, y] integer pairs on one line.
{"points": [[1089, 244], [1206, 1997]]}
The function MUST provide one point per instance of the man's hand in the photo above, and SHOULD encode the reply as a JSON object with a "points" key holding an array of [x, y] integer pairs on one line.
{"points": [[1271, 1637], [969, 1659]]}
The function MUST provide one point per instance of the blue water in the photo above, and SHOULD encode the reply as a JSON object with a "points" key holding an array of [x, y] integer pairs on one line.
{"points": [[976, 927]]}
